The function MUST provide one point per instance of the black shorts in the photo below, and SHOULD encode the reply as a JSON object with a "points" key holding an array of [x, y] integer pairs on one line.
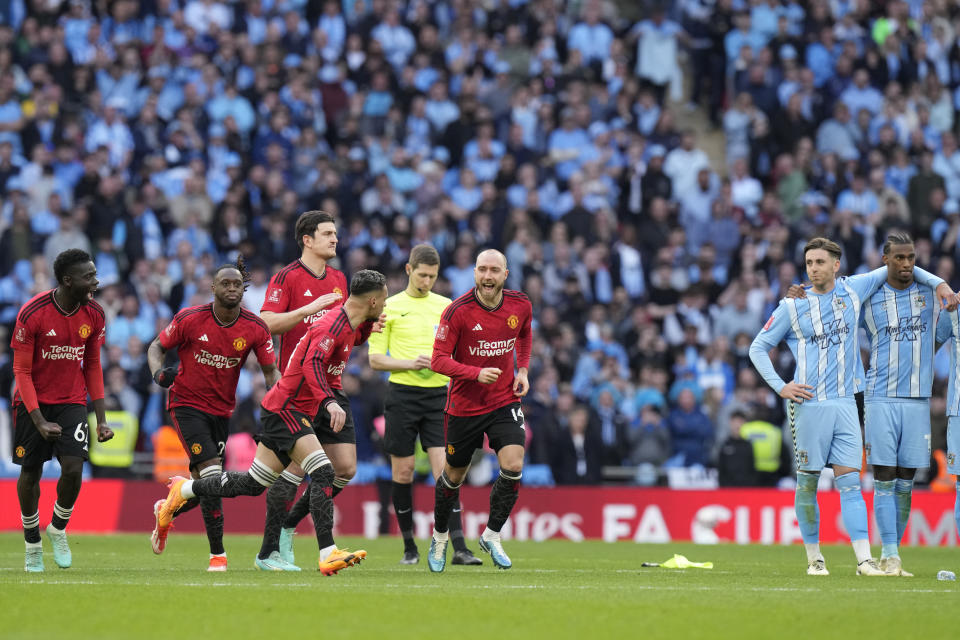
{"points": [[282, 430], [410, 412], [29, 447], [203, 435], [321, 423], [503, 426]]}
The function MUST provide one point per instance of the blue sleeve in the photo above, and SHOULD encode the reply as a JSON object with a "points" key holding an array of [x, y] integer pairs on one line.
{"points": [[770, 336], [945, 326], [927, 279], [865, 284]]}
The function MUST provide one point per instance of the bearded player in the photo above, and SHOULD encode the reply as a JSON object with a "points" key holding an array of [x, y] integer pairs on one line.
{"points": [[299, 295], [480, 334]]}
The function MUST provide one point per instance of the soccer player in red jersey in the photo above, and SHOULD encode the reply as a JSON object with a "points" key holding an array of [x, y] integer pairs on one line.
{"points": [[288, 409], [56, 363], [475, 344], [213, 341], [298, 295]]}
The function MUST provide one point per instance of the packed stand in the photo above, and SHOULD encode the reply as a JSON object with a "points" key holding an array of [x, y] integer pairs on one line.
{"points": [[166, 136]]}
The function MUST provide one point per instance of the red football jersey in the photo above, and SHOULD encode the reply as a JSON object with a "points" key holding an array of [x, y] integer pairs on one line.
{"points": [[317, 363], [294, 286], [211, 356], [59, 342], [472, 337]]}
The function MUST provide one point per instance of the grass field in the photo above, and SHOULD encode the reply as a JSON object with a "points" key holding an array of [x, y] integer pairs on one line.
{"points": [[118, 589]]}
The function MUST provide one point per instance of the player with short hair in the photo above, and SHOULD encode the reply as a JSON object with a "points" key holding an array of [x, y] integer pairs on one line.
{"points": [[288, 408], [415, 395], [56, 363], [821, 332], [297, 296], [901, 320], [213, 341], [480, 334]]}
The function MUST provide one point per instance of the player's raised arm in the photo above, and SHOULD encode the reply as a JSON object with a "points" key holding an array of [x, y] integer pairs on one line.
{"points": [[865, 284], [281, 322]]}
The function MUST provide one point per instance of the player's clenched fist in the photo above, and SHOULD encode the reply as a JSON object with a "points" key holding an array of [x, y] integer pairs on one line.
{"points": [[338, 417], [488, 375], [49, 430]]}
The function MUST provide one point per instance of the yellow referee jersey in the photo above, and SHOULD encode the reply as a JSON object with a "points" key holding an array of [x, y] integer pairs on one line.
{"points": [[411, 325]]}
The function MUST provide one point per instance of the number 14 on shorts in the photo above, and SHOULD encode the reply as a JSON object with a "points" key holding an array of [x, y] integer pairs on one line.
{"points": [[517, 414]]}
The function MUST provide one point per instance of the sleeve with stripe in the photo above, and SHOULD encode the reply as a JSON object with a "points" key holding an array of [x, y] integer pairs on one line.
{"points": [[525, 342], [448, 334], [313, 369], [769, 337]]}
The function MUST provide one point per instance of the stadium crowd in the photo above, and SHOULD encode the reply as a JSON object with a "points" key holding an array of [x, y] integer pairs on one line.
{"points": [[166, 136]]}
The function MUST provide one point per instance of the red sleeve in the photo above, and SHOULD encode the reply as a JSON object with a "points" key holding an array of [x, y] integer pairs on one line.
{"points": [[22, 339], [23, 374], [313, 368], [448, 334], [277, 299], [264, 349], [172, 336], [363, 332], [93, 372], [525, 343]]}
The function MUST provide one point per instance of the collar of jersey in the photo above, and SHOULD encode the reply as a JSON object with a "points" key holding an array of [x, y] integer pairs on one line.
{"points": [[485, 307], [311, 271]]}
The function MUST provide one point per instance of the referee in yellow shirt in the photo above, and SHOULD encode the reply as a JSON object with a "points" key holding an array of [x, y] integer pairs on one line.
{"points": [[415, 395]]}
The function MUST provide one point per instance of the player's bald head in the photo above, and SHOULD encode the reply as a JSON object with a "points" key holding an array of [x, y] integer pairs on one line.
{"points": [[492, 256]]}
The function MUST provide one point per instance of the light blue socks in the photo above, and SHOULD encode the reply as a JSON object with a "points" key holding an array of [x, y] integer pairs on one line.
{"points": [[903, 494], [852, 506], [885, 509], [805, 503]]}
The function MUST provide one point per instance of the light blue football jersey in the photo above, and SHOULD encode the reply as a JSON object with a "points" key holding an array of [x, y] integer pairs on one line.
{"points": [[948, 330], [821, 332], [901, 325]]}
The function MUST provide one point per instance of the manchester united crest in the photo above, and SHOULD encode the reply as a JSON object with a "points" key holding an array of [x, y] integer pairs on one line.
{"points": [[196, 448], [305, 422], [240, 343], [20, 452], [84, 331], [338, 291], [513, 321], [450, 450]]}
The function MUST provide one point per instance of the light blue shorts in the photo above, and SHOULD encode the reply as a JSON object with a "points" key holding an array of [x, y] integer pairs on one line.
{"points": [[953, 445], [897, 432], [826, 433]]}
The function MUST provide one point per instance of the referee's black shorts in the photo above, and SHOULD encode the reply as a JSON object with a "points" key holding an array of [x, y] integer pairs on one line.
{"points": [[410, 412]]}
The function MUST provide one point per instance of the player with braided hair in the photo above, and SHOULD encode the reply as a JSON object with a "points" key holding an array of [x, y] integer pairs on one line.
{"points": [[288, 435], [213, 341]]}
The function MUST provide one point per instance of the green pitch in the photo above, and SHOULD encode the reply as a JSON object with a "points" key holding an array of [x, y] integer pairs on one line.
{"points": [[592, 591]]}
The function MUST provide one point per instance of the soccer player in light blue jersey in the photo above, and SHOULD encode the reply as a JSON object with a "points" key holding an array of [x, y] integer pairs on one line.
{"points": [[821, 332], [948, 326], [900, 319]]}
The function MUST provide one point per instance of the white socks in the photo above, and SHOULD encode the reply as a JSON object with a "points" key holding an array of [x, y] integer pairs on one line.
{"points": [[862, 549], [813, 552]]}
